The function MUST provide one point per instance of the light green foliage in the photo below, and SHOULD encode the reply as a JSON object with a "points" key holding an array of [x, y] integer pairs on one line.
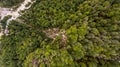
{"points": [[50, 58], [91, 36], [72, 32]]}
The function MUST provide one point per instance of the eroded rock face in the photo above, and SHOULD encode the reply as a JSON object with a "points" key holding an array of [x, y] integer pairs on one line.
{"points": [[4, 12], [55, 32]]}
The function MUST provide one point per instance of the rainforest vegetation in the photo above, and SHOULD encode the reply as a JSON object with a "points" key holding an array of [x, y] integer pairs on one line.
{"points": [[64, 33]]}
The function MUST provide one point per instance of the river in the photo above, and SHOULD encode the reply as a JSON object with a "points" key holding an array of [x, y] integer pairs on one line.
{"points": [[14, 13]]}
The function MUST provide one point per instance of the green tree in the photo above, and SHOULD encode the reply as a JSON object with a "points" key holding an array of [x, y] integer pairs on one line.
{"points": [[64, 33]]}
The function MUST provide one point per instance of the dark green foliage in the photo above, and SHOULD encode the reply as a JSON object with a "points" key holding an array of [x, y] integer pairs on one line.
{"points": [[88, 35], [9, 3], [4, 21]]}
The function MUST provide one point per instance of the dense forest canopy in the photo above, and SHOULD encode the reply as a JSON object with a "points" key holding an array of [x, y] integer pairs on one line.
{"points": [[64, 33]]}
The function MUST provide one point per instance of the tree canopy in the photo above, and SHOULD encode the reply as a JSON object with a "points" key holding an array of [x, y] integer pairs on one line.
{"points": [[64, 33]]}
